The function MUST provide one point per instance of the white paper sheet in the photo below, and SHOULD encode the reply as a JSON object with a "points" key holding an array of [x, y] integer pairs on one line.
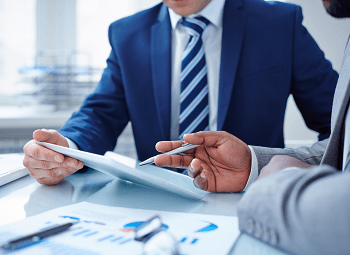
{"points": [[109, 230]]}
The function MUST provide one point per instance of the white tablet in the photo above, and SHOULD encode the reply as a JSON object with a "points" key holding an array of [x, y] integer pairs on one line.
{"points": [[148, 175]]}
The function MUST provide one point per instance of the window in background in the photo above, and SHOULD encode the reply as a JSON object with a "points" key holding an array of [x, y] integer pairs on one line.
{"points": [[93, 20], [17, 42], [18, 34]]}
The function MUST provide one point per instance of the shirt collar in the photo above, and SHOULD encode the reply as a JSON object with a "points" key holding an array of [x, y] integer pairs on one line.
{"points": [[213, 12]]}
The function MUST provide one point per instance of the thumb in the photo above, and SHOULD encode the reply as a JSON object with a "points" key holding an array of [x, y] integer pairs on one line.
{"points": [[50, 136]]}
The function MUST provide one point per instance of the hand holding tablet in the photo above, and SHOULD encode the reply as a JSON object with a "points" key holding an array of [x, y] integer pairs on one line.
{"points": [[147, 175]]}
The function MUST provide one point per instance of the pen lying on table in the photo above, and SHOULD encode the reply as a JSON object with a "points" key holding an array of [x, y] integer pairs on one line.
{"points": [[183, 148], [35, 237]]}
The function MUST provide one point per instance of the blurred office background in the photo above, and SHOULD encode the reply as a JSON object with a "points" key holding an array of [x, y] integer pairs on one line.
{"points": [[52, 53]]}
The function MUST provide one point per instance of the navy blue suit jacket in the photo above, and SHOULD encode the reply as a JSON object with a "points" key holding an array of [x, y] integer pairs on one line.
{"points": [[266, 56]]}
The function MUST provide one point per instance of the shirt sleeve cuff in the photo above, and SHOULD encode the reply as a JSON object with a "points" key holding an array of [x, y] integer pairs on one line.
{"points": [[254, 172], [71, 144], [290, 168]]}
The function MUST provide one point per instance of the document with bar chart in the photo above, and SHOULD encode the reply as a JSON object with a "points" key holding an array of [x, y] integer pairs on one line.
{"points": [[110, 230]]}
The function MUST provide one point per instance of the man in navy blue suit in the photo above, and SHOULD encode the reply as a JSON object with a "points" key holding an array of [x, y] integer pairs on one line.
{"points": [[300, 202], [257, 53]]}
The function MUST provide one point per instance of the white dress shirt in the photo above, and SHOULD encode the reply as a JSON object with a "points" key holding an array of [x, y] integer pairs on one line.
{"points": [[212, 37]]}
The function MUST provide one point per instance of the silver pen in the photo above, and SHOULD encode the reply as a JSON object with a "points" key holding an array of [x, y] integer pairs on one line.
{"points": [[183, 148]]}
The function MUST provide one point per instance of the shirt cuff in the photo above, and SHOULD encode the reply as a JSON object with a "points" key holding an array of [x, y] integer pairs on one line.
{"points": [[290, 168], [254, 171], [71, 144]]}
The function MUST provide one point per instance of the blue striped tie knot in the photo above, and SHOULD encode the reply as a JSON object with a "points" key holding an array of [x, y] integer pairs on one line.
{"points": [[194, 108], [195, 26]]}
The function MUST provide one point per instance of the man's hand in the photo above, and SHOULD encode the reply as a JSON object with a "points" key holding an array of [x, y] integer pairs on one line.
{"points": [[221, 164], [280, 162], [47, 166]]}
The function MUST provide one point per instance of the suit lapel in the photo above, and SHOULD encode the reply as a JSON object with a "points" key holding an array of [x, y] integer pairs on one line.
{"points": [[341, 99], [161, 66], [232, 37], [333, 155]]}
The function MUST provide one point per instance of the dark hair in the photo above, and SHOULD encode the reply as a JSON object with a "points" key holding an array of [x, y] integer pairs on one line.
{"points": [[338, 8]]}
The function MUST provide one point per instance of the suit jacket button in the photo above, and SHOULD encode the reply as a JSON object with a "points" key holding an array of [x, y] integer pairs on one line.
{"points": [[258, 230], [273, 237], [250, 226], [266, 234]]}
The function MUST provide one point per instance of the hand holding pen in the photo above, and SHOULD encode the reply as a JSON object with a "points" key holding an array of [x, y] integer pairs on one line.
{"points": [[184, 147], [221, 163]]}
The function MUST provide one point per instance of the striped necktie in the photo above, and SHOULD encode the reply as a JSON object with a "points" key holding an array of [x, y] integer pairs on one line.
{"points": [[194, 107]]}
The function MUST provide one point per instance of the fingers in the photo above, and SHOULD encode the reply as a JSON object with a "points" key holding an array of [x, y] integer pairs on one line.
{"points": [[50, 136], [194, 168], [52, 176], [165, 146], [47, 166], [201, 181], [204, 179], [51, 173], [208, 138], [57, 173], [173, 160], [38, 152], [68, 162]]}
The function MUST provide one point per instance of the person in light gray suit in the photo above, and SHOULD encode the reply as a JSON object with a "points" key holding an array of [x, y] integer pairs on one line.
{"points": [[301, 200]]}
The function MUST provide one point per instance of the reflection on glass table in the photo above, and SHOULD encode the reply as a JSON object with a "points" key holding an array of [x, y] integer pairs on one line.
{"points": [[25, 198]]}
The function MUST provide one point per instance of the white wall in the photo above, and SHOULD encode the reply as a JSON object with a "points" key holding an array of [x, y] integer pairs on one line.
{"points": [[93, 19], [331, 35], [56, 29]]}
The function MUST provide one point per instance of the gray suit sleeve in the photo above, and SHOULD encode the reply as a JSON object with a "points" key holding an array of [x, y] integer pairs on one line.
{"points": [[302, 211], [310, 155]]}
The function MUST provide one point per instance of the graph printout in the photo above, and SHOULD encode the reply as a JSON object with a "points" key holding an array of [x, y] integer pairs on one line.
{"points": [[110, 230]]}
